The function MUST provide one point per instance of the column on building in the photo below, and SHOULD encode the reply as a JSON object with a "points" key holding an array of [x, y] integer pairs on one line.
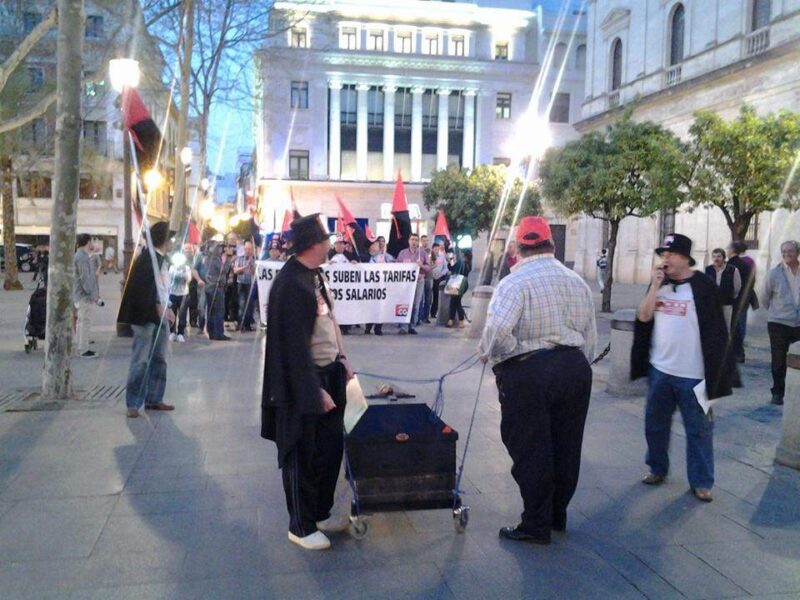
{"points": [[468, 158], [442, 129], [416, 133], [388, 131], [361, 132], [335, 131]]}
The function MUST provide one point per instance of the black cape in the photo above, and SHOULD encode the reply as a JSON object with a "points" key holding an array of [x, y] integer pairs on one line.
{"points": [[291, 383], [718, 360], [138, 306]]}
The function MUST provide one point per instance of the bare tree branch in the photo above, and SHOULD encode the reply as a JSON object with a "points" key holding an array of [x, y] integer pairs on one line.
{"points": [[21, 51]]}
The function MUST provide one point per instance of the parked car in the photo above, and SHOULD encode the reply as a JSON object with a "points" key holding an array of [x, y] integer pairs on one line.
{"points": [[24, 258]]}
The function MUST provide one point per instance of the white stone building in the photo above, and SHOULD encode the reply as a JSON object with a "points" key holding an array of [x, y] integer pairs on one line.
{"points": [[668, 59], [357, 90]]}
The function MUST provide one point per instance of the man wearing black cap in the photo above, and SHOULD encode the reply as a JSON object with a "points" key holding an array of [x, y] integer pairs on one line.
{"points": [[540, 335], [681, 345], [305, 377]]}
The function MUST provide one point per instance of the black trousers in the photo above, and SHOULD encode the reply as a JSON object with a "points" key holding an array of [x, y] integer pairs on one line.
{"points": [[456, 310], [193, 303], [232, 303], [780, 338], [435, 302], [312, 467], [544, 400]]}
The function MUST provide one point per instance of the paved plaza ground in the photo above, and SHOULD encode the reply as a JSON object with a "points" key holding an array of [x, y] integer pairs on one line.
{"points": [[189, 504]]}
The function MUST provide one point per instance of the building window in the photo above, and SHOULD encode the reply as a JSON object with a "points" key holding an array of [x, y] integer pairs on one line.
{"points": [[559, 113], [94, 136], [751, 237], [404, 42], [299, 37], [94, 27], [430, 44], [558, 55], [30, 20], [35, 134], [299, 94], [298, 164], [35, 79], [501, 51], [580, 57], [676, 36], [616, 65], [457, 45], [348, 38], [93, 87], [503, 106], [499, 160], [349, 101], [762, 10], [375, 41]]}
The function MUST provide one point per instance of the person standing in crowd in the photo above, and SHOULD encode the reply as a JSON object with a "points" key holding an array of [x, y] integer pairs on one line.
{"points": [[216, 280], [180, 273], [229, 256], [511, 259], [199, 276], [747, 297], [41, 265], [275, 250], [305, 377], [458, 265], [782, 300], [245, 270], [680, 342], [85, 293], [110, 257], [415, 254], [145, 306], [377, 256], [540, 335], [728, 280], [602, 269], [439, 269], [427, 293], [337, 256]]}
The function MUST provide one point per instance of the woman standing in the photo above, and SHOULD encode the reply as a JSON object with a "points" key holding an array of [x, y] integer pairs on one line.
{"points": [[459, 265]]}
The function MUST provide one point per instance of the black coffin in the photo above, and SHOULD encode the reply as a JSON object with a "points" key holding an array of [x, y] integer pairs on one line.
{"points": [[402, 457]]}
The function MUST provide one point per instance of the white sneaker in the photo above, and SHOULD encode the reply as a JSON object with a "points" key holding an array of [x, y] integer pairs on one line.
{"points": [[315, 541], [334, 524], [171, 337], [180, 339]]}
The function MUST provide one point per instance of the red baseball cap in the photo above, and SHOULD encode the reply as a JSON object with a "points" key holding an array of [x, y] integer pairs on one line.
{"points": [[533, 231]]}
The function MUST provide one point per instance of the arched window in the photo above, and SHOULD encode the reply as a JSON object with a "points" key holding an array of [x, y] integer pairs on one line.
{"points": [[616, 64], [558, 55], [762, 10], [676, 35], [580, 57]]}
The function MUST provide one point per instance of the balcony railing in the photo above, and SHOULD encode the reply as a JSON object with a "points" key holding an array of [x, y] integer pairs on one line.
{"points": [[672, 76], [613, 99], [756, 42]]}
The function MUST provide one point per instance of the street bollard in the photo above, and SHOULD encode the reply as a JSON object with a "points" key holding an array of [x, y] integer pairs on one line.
{"points": [[481, 296], [443, 314], [619, 374], [788, 451]]}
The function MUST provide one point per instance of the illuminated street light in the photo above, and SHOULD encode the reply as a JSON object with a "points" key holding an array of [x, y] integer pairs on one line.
{"points": [[186, 156], [205, 184], [207, 210], [124, 72], [153, 180]]}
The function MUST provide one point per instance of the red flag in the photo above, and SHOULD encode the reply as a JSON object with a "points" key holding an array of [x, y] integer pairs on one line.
{"points": [[295, 212], [340, 228], [346, 216], [399, 202], [287, 222], [401, 221], [194, 236], [137, 121], [441, 228], [370, 236]]}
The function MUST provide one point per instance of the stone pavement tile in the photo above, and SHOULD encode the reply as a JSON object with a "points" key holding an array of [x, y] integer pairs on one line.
{"points": [[174, 502], [43, 536], [38, 579], [114, 569], [690, 575], [65, 508], [397, 546], [422, 581], [87, 481], [175, 483], [759, 567]]}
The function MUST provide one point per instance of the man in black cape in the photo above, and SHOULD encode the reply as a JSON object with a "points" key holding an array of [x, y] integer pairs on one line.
{"points": [[305, 379]]}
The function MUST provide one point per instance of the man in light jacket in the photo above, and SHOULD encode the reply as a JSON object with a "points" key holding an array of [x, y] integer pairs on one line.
{"points": [[782, 299], [85, 293]]}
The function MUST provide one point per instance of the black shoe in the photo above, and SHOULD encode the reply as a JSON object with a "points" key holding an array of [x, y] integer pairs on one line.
{"points": [[223, 338], [740, 360], [516, 535], [777, 400], [412, 331], [90, 354], [426, 321], [379, 332]]}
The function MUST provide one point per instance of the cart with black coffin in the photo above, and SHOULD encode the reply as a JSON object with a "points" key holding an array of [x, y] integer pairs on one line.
{"points": [[402, 457]]}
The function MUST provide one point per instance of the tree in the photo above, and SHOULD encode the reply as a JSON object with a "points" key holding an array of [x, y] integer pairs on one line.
{"points": [[744, 166], [631, 169], [56, 383], [471, 199]]}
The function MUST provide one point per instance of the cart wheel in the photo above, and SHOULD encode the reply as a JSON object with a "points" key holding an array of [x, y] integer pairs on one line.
{"points": [[461, 518], [28, 348], [358, 528]]}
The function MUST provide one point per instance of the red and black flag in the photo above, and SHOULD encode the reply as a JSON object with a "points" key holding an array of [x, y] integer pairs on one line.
{"points": [[353, 231], [146, 136], [442, 230], [401, 220]]}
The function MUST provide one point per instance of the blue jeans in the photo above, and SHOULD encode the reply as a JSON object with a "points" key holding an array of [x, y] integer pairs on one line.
{"points": [[427, 301], [215, 307], [664, 394], [147, 375], [247, 302]]}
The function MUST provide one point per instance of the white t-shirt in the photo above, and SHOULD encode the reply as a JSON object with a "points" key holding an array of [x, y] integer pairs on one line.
{"points": [[676, 348], [338, 259]]}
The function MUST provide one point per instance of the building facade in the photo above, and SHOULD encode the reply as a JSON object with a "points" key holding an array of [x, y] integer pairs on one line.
{"points": [[353, 92], [109, 31], [667, 59]]}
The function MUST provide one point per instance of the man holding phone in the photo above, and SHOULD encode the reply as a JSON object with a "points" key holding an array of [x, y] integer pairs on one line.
{"points": [[680, 342]]}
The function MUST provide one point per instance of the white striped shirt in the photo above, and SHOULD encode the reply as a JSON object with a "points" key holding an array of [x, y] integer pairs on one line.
{"points": [[541, 304]]}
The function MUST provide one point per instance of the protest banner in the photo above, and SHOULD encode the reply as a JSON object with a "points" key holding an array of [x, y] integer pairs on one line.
{"points": [[362, 293]]}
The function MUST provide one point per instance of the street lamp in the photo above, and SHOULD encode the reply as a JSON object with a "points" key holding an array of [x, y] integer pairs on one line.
{"points": [[186, 156], [124, 73]]}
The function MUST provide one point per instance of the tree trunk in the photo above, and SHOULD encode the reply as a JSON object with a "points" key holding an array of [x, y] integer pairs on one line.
{"points": [[57, 380], [612, 249], [9, 235], [741, 223], [177, 219]]}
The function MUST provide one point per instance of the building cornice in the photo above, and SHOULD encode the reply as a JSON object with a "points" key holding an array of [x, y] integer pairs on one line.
{"points": [[616, 20]]}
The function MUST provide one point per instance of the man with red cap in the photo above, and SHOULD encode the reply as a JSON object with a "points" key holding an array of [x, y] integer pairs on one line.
{"points": [[540, 333]]}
